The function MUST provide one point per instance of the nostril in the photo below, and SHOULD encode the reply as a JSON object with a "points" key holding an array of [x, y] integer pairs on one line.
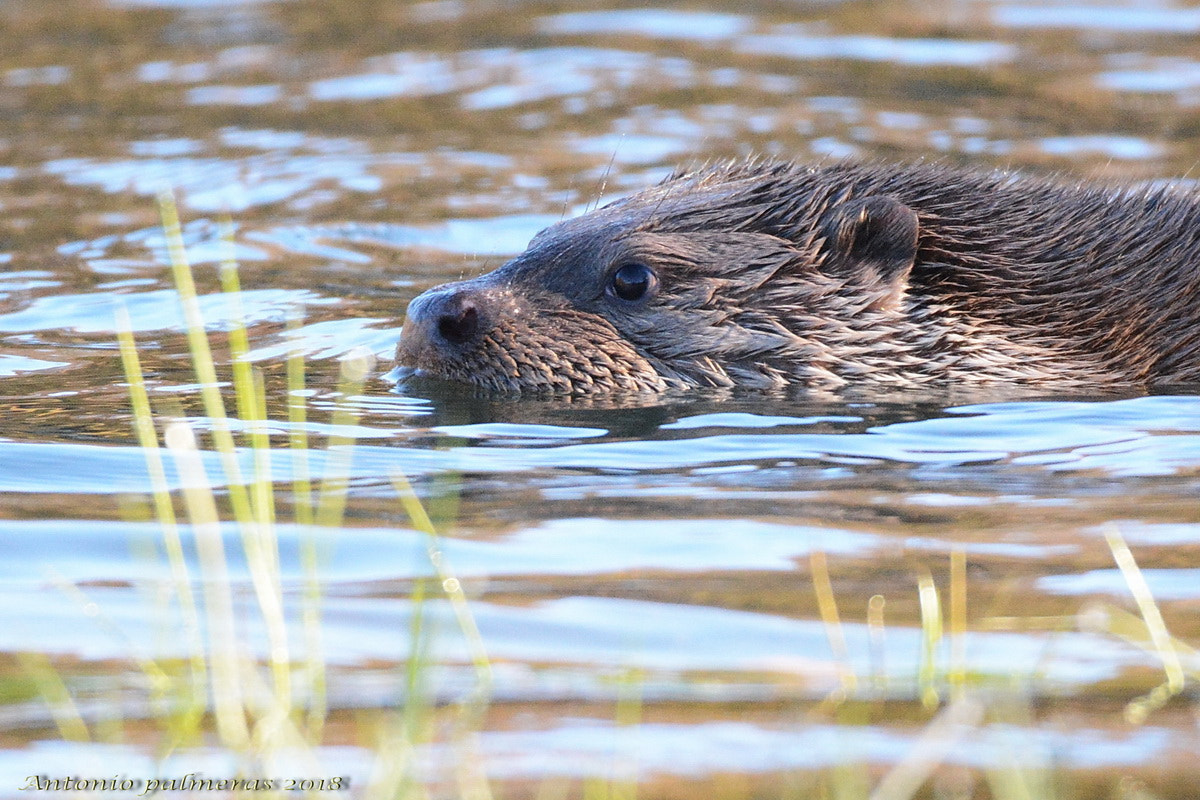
{"points": [[459, 325]]}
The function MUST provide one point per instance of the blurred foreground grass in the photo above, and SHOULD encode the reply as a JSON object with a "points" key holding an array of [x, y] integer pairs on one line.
{"points": [[273, 713]]}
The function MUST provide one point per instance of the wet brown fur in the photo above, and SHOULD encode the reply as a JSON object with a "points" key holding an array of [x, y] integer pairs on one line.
{"points": [[773, 275]]}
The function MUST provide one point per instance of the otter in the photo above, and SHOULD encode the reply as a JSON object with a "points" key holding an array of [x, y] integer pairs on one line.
{"points": [[768, 275]]}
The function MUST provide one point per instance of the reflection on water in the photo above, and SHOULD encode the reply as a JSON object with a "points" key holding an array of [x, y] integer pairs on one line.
{"points": [[1168, 21], [367, 151], [794, 43]]}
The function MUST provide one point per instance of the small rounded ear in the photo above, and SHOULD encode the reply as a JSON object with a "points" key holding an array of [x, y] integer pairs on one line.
{"points": [[872, 242]]}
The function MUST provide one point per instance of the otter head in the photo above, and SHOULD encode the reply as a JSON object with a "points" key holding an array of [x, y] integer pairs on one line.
{"points": [[748, 275]]}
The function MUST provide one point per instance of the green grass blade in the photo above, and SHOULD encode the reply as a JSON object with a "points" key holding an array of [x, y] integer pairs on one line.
{"points": [[931, 637], [827, 606], [56, 695], [302, 510], [958, 621], [473, 784], [876, 634], [1164, 643], [164, 512], [228, 702], [202, 359], [298, 435], [630, 686]]}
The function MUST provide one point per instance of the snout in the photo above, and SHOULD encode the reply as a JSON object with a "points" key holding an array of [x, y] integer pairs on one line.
{"points": [[443, 323]]}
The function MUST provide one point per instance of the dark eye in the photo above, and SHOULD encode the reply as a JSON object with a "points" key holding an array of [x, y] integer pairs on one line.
{"points": [[632, 282]]}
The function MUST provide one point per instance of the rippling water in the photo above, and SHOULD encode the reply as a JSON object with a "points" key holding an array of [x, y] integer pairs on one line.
{"points": [[665, 551]]}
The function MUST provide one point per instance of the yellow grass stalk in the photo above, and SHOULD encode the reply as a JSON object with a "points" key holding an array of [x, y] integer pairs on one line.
{"points": [[629, 716], [876, 631], [958, 621], [331, 503], [302, 510], [827, 606], [931, 637], [450, 585], [164, 512], [228, 702], [1164, 644], [254, 540], [1115, 621], [57, 696], [939, 738], [472, 782], [297, 435], [202, 359]]}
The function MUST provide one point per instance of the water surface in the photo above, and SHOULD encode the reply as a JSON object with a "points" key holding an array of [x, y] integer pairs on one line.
{"points": [[665, 549]]}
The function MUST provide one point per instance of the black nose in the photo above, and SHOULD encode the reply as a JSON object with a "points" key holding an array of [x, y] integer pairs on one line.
{"points": [[458, 320], [442, 321]]}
